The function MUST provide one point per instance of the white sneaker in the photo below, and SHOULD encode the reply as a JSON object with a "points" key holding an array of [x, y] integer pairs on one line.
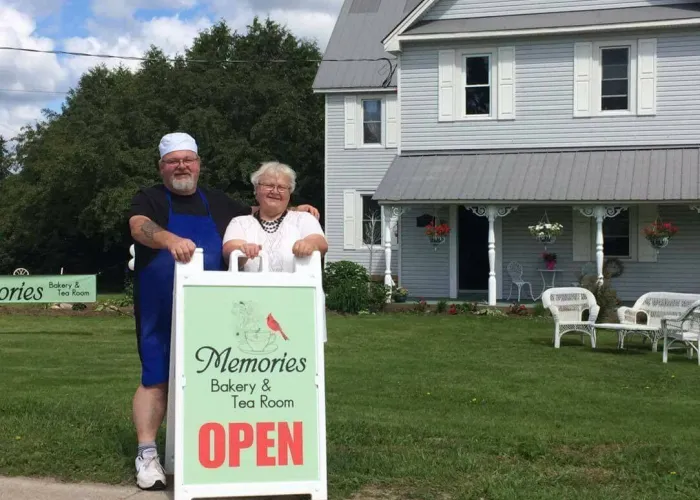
{"points": [[150, 474]]}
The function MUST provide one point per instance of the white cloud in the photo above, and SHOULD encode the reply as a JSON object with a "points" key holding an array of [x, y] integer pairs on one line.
{"points": [[114, 29], [312, 19], [126, 8], [22, 71], [171, 34]]}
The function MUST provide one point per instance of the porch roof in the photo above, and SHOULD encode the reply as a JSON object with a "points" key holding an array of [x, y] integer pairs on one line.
{"points": [[649, 174], [572, 19]]}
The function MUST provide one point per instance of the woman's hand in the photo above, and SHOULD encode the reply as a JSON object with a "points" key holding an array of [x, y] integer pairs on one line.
{"points": [[251, 250], [303, 248]]}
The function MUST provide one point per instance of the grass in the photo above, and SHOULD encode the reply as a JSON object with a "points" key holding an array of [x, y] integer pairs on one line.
{"points": [[419, 407]]}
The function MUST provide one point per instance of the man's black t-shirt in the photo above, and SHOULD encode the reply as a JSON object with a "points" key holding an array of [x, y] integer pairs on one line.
{"points": [[152, 202]]}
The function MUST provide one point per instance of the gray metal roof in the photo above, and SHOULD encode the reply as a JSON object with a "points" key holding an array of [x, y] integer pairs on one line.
{"points": [[576, 175], [358, 34], [558, 19]]}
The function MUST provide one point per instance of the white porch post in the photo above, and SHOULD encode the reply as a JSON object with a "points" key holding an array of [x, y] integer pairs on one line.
{"points": [[492, 212], [600, 213], [391, 222]]}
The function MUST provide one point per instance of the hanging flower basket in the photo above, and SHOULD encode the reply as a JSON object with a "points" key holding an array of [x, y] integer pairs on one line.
{"points": [[437, 234], [660, 233], [546, 232]]}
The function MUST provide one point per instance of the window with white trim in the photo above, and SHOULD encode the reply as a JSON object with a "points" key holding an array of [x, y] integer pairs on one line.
{"points": [[476, 84], [616, 77], [616, 236], [372, 121], [477, 79], [372, 221], [360, 231]]}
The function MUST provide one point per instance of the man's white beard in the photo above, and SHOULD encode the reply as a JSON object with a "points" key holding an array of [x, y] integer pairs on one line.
{"points": [[183, 184]]}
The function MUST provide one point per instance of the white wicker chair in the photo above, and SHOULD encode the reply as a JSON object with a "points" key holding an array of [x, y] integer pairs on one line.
{"points": [[567, 305], [645, 317], [683, 329], [515, 271]]}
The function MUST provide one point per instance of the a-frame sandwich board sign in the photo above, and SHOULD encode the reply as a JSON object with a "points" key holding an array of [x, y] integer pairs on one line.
{"points": [[246, 411]]}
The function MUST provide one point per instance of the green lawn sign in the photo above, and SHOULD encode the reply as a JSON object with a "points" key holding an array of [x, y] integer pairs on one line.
{"points": [[246, 416], [48, 289]]}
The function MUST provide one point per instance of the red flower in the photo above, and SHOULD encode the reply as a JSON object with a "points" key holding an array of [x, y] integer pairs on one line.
{"points": [[441, 230]]}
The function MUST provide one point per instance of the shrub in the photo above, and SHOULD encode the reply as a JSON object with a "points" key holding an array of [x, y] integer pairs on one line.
{"points": [[441, 307], [349, 289], [605, 296], [343, 272], [348, 297], [378, 294]]}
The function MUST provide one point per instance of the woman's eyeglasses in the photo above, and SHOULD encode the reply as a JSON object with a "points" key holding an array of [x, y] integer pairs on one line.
{"points": [[271, 187]]}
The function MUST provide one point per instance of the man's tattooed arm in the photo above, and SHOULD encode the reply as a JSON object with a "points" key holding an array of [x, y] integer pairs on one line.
{"points": [[148, 233], [150, 228]]}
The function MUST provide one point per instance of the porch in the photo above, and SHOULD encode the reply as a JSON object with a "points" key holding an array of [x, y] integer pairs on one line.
{"points": [[489, 200]]}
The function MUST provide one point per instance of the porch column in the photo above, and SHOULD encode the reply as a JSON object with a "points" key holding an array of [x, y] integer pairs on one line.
{"points": [[391, 223], [600, 213], [492, 212]]}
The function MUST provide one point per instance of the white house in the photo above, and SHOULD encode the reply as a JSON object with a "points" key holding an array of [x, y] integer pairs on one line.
{"points": [[492, 116]]}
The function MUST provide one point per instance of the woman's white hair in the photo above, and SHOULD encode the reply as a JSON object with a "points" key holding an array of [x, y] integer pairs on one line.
{"points": [[275, 168]]}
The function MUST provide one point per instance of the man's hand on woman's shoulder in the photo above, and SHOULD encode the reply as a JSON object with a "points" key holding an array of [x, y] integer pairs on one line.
{"points": [[309, 209]]}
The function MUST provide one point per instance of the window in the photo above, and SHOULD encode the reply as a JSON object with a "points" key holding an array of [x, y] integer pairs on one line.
{"points": [[371, 221], [372, 121], [615, 79], [616, 235], [477, 85]]}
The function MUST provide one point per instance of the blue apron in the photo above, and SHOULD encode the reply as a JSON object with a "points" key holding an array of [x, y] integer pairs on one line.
{"points": [[156, 290]]}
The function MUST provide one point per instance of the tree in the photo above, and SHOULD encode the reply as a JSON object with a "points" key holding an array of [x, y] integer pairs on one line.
{"points": [[79, 168], [4, 159]]}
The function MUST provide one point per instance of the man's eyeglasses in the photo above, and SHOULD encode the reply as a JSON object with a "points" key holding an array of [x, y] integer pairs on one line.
{"points": [[185, 161], [271, 187]]}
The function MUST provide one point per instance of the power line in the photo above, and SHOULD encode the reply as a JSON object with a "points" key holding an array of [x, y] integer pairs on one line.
{"points": [[386, 60], [30, 91], [203, 61]]}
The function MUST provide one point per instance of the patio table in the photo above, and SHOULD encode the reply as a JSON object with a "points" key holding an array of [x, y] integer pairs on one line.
{"points": [[545, 286], [622, 329]]}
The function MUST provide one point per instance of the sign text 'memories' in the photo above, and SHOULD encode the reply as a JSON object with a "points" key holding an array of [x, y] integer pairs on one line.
{"points": [[241, 436]]}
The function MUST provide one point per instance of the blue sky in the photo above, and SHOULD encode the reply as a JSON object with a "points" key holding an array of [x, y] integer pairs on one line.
{"points": [[30, 81]]}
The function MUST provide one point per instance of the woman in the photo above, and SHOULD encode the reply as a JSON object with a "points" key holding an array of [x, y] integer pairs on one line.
{"points": [[281, 233]]}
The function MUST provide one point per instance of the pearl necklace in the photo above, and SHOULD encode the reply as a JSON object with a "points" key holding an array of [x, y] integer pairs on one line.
{"points": [[270, 226]]}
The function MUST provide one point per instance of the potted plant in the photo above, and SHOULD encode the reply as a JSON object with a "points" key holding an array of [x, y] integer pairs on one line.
{"points": [[659, 233], [400, 295], [550, 260], [437, 233], [546, 232]]}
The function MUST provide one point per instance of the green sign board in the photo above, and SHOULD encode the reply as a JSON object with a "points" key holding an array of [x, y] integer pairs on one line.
{"points": [[246, 414], [46, 289], [250, 412]]}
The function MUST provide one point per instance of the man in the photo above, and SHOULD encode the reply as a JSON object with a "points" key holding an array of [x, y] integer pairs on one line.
{"points": [[169, 221]]}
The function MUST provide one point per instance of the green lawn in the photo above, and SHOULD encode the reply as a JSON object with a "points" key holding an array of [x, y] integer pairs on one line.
{"points": [[420, 407]]}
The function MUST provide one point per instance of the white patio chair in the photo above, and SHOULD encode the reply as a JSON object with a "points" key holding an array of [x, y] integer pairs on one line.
{"points": [[515, 271], [684, 330], [567, 305]]}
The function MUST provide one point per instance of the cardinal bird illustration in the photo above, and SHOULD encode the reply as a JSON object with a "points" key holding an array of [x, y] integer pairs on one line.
{"points": [[273, 325]]}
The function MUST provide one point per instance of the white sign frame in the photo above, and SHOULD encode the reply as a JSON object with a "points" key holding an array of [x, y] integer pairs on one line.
{"points": [[308, 273]]}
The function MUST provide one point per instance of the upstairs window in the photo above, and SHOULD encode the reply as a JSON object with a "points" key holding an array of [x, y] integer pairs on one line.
{"points": [[372, 121], [615, 79], [478, 85]]}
